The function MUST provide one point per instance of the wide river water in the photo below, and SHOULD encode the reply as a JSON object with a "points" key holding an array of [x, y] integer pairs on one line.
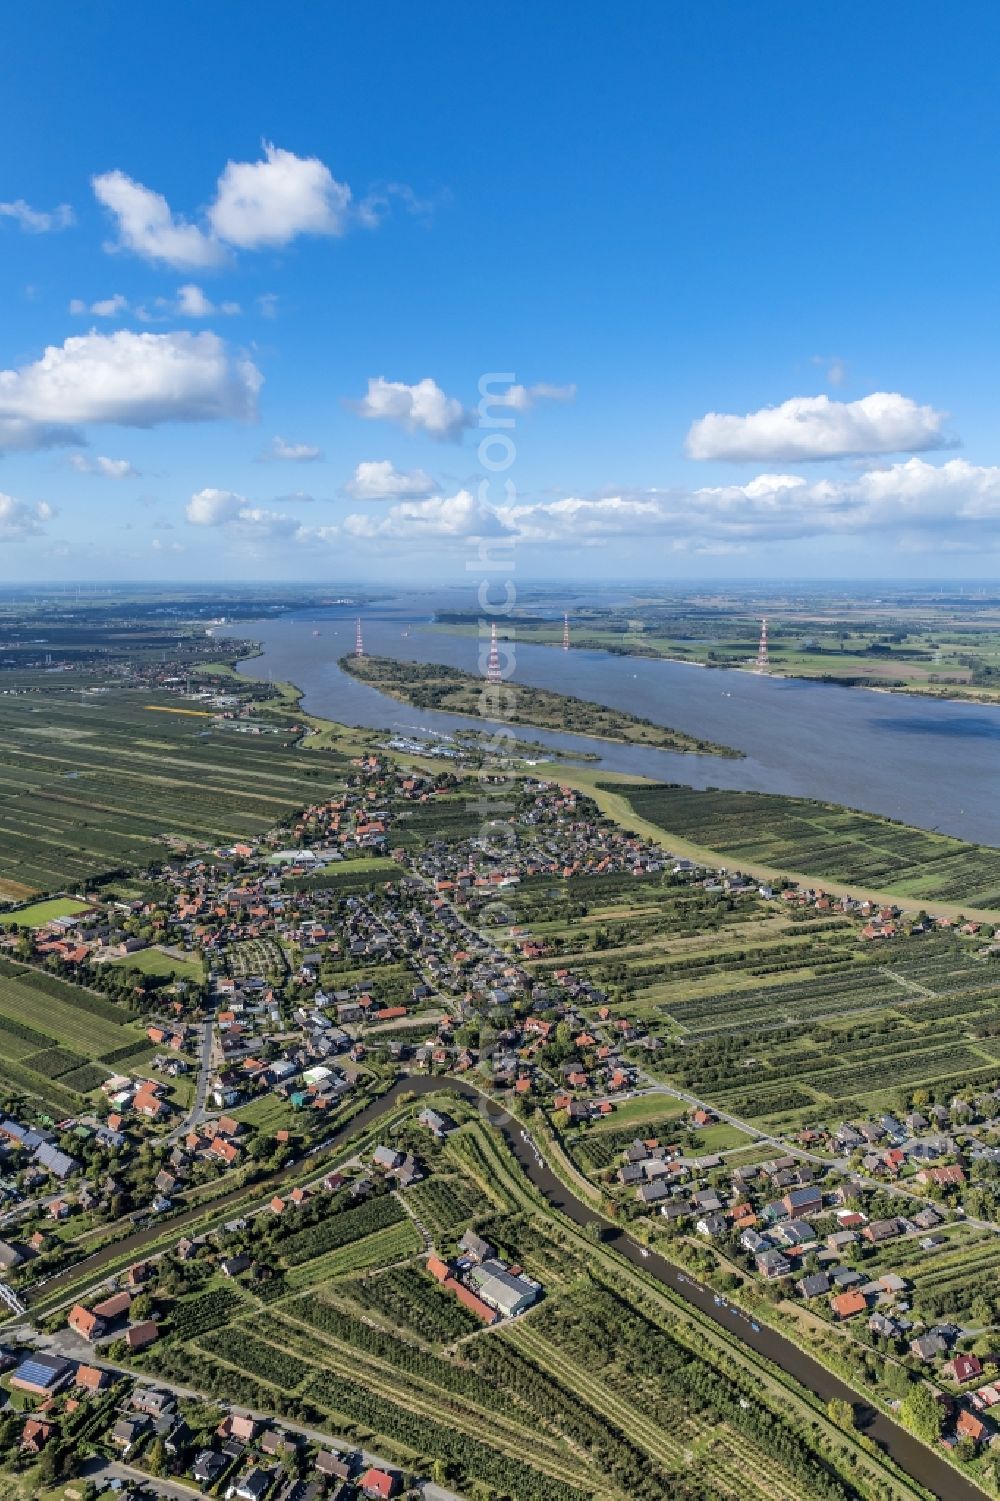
{"points": [[928, 762]]}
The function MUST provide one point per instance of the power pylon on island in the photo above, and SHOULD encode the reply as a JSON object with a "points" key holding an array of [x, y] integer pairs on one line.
{"points": [[565, 633], [763, 665], [493, 673], [359, 644]]}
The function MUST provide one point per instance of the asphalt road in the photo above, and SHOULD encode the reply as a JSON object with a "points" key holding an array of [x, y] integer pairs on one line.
{"points": [[196, 1114]]}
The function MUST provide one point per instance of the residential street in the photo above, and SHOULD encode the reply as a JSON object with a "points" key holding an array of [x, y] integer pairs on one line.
{"points": [[196, 1114]]}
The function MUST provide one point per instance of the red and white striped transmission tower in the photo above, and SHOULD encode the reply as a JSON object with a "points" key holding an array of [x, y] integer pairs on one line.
{"points": [[359, 645], [493, 673], [763, 665], [565, 633]]}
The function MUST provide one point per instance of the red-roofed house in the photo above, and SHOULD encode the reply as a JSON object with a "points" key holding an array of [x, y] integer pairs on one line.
{"points": [[35, 1434], [969, 1426], [146, 1103], [438, 1268], [82, 1321], [964, 1368], [378, 1483], [848, 1304], [472, 1303], [141, 1335], [113, 1307]]}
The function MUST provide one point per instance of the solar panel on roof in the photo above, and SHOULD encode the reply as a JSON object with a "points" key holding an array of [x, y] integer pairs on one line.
{"points": [[39, 1372]]}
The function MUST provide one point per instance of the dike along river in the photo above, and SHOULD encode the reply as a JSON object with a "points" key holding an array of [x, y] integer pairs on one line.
{"points": [[918, 1461], [928, 762]]}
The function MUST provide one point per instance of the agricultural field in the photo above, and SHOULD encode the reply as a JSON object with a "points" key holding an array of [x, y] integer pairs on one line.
{"points": [[926, 1017], [446, 1203], [94, 783], [957, 1280], [780, 1017], [654, 940], [607, 1389], [56, 1038], [823, 841], [456, 815]]}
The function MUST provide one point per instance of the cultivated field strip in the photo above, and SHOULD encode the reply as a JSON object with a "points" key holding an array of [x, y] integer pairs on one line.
{"points": [[87, 787], [823, 840], [431, 1392], [666, 1447]]}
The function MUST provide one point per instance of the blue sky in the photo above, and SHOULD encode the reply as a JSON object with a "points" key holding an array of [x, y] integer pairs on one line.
{"points": [[740, 262]]}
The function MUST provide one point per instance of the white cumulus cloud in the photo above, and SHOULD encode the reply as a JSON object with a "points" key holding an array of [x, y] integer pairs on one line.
{"points": [[911, 504], [815, 427], [20, 518], [257, 205], [523, 398], [190, 302], [949, 502], [443, 518], [136, 380], [105, 467], [269, 202], [422, 407], [214, 507], [248, 523], [37, 221], [147, 226], [105, 307], [379, 479], [292, 453]]}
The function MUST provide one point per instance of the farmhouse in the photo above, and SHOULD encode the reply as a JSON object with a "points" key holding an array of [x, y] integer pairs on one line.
{"points": [[880, 1230], [477, 1249], [85, 1323], [501, 1289], [42, 1375], [114, 1307], [253, 1486], [127, 1432], [438, 1125], [969, 1426], [927, 1346]]}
